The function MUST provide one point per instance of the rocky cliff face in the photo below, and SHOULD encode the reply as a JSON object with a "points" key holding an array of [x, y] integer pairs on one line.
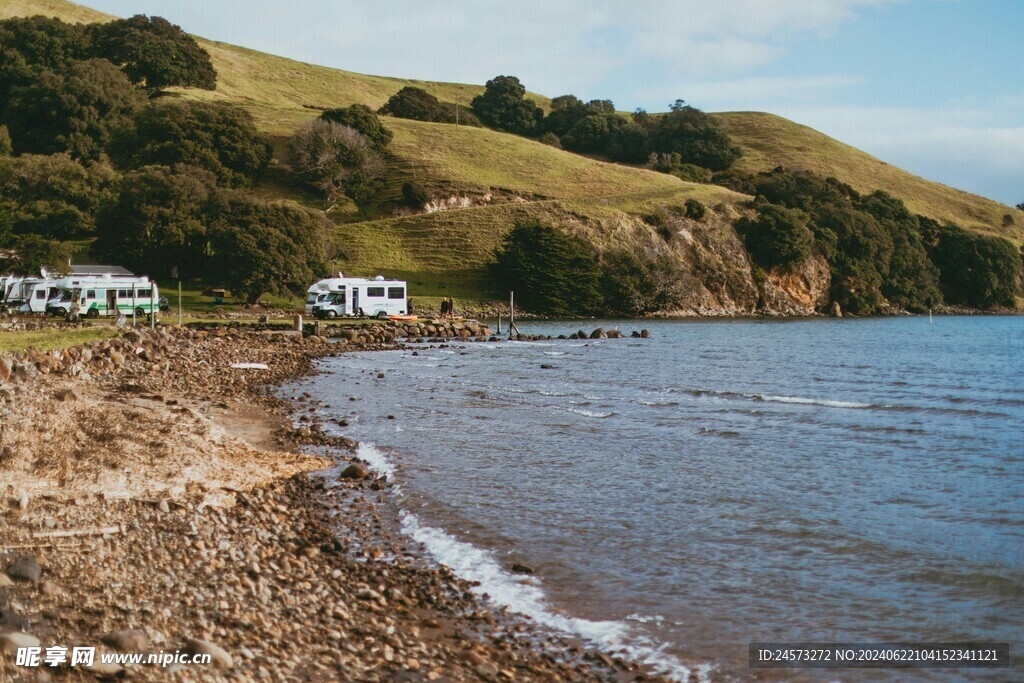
{"points": [[721, 279]]}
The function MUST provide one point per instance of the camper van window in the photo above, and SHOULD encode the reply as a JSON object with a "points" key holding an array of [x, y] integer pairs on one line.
{"points": [[396, 292], [374, 291], [122, 294], [40, 293], [311, 299], [90, 294], [144, 293]]}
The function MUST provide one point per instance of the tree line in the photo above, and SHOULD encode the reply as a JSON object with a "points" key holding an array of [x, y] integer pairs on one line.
{"points": [[92, 149]]}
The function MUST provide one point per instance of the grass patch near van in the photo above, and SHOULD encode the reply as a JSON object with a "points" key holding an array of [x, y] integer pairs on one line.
{"points": [[53, 338]]}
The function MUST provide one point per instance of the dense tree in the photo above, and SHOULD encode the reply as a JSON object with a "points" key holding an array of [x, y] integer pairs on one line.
{"points": [[53, 196], [362, 119], [417, 104], [337, 160], [29, 45], [156, 222], [219, 137], [629, 143], [976, 270], [589, 135], [778, 237], [503, 105], [6, 147], [912, 281], [154, 53], [1020, 207], [262, 247], [695, 136], [27, 255], [549, 271], [77, 111], [635, 284]]}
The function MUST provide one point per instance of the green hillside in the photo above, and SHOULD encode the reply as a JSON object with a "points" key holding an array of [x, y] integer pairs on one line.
{"points": [[769, 141], [495, 178]]}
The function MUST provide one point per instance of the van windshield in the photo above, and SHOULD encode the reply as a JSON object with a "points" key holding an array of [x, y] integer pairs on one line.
{"points": [[336, 297]]}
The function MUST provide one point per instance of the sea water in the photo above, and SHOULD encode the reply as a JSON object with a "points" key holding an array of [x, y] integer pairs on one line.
{"points": [[718, 484]]}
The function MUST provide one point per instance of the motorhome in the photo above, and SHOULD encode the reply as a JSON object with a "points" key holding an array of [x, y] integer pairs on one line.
{"points": [[357, 296], [34, 294], [106, 296], [318, 291], [8, 284]]}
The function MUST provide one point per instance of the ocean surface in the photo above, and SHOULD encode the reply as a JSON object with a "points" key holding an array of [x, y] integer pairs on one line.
{"points": [[720, 483]]}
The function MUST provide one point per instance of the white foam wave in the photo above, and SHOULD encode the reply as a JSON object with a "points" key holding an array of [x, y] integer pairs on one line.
{"points": [[525, 594], [587, 413], [376, 459], [811, 401]]}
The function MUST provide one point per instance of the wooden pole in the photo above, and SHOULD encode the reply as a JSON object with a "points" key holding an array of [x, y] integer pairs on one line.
{"points": [[511, 313], [152, 312], [499, 323], [133, 304]]}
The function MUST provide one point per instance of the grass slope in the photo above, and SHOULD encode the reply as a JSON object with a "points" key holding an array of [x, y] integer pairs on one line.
{"points": [[769, 141], [442, 253]]}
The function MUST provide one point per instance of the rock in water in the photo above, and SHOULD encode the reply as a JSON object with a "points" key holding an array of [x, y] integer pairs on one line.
{"points": [[645, 334], [837, 312], [354, 471], [219, 657], [597, 334], [25, 569], [522, 569]]}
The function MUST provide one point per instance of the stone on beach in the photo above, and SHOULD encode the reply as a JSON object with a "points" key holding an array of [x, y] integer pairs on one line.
{"points": [[25, 569], [219, 657], [355, 471]]}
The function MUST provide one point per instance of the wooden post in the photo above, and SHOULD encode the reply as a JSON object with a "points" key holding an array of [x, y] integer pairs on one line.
{"points": [[499, 324], [179, 303], [511, 313], [152, 311], [133, 304]]}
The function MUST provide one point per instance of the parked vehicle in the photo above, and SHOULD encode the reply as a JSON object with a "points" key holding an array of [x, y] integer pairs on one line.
{"points": [[355, 296], [34, 294], [105, 296]]}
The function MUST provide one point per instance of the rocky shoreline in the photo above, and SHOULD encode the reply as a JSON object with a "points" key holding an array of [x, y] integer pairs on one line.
{"points": [[156, 499]]}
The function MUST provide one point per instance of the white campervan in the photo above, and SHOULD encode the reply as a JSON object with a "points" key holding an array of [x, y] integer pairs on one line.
{"points": [[357, 296], [107, 296], [35, 292]]}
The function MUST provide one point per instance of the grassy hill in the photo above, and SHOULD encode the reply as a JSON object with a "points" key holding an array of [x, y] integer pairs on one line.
{"points": [[502, 178], [769, 141]]}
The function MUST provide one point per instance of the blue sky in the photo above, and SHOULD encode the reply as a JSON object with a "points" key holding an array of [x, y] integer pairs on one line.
{"points": [[933, 86]]}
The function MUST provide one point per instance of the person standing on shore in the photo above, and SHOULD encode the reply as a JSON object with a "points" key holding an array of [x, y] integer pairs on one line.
{"points": [[444, 308], [451, 307]]}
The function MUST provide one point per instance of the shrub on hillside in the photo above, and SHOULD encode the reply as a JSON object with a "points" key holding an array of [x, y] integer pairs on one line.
{"points": [[694, 210], [635, 284], [337, 160], [219, 137], [53, 196], [362, 119], [153, 52], [549, 271], [777, 237], [694, 136], [75, 111], [417, 104], [551, 140], [503, 105], [414, 195]]}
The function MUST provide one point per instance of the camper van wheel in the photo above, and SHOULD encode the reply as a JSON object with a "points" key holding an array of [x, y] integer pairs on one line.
{"points": [[93, 313], [140, 313], [383, 315], [60, 313], [332, 314]]}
